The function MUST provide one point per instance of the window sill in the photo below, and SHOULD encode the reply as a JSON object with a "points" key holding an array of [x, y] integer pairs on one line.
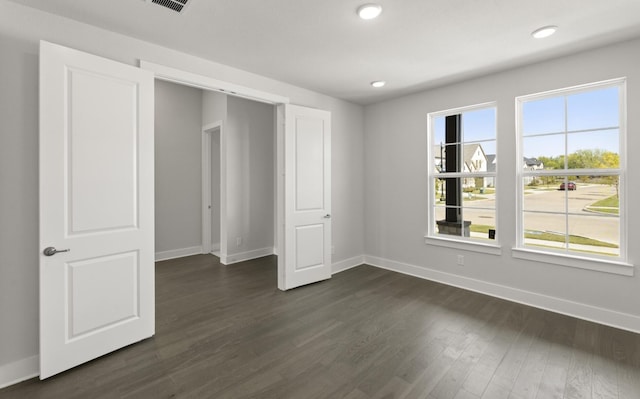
{"points": [[474, 246], [600, 265]]}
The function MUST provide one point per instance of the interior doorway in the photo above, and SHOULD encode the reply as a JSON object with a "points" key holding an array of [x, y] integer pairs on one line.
{"points": [[214, 228], [215, 174], [303, 171]]}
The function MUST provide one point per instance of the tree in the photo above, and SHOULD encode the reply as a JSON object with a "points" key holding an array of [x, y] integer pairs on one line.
{"points": [[585, 159], [611, 160], [552, 162]]}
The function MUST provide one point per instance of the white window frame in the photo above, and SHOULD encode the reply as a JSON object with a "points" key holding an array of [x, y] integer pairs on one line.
{"points": [[432, 237], [618, 264]]}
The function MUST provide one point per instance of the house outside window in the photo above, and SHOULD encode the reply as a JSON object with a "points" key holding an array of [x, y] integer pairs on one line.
{"points": [[571, 185], [462, 174]]}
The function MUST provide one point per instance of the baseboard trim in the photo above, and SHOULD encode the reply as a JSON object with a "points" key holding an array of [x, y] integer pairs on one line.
{"points": [[595, 314], [247, 255], [178, 253], [346, 264], [19, 371]]}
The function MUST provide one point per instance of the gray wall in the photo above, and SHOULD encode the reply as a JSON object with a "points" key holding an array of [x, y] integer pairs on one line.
{"points": [[180, 114], [19, 252], [214, 109], [21, 28], [178, 166], [215, 190], [250, 135], [396, 192]]}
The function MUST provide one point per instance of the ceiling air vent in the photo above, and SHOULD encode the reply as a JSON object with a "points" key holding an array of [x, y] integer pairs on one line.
{"points": [[175, 5]]}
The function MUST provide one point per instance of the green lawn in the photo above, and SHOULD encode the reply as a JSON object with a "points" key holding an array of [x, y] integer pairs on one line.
{"points": [[541, 235], [607, 205], [480, 228], [545, 236], [465, 198]]}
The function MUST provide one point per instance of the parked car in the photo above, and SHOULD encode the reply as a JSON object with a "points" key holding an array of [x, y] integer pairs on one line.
{"points": [[570, 186]]}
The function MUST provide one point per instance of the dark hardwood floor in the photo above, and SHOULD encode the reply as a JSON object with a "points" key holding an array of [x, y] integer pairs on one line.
{"points": [[227, 332]]}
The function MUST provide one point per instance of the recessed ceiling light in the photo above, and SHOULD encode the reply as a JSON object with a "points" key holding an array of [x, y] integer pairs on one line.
{"points": [[545, 31], [378, 83], [369, 11]]}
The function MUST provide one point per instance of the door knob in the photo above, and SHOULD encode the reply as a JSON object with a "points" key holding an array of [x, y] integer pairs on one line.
{"points": [[327, 216], [50, 251]]}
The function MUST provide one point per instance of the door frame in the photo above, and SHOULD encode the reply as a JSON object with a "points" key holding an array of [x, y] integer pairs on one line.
{"points": [[182, 77], [207, 157]]}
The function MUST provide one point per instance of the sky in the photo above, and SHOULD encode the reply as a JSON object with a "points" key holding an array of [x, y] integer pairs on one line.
{"points": [[596, 109]]}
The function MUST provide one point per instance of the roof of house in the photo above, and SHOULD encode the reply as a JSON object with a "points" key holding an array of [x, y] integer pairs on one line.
{"points": [[468, 151], [532, 161], [491, 162]]}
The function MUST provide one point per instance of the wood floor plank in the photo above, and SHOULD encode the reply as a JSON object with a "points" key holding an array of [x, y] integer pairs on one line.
{"points": [[528, 381], [228, 332], [580, 371], [462, 394]]}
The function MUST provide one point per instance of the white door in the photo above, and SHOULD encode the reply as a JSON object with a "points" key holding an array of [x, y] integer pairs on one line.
{"points": [[96, 207], [305, 138]]}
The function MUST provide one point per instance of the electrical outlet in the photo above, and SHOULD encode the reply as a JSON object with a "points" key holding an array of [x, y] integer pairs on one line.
{"points": [[461, 260], [238, 241]]}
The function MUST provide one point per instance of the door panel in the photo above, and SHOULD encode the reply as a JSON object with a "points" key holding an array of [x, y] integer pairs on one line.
{"points": [[309, 167], [103, 293], [96, 200], [309, 244], [102, 135], [306, 143]]}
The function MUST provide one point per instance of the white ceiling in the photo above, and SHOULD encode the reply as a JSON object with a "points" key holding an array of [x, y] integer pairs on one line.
{"points": [[322, 45]]}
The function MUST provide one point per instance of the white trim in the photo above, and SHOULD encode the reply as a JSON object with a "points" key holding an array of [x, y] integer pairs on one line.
{"points": [[204, 82], [465, 245], [280, 194], [247, 255], [347, 264], [459, 110], [178, 253], [207, 131], [580, 262], [19, 371], [595, 314]]}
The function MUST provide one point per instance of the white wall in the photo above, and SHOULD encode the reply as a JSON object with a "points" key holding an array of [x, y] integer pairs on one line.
{"points": [[250, 138], [396, 192], [21, 28], [178, 167]]}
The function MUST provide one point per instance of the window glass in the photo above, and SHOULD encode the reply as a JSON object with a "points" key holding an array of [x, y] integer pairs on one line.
{"points": [[584, 239], [545, 230], [570, 176], [545, 194], [595, 109], [543, 116], [463, 177]]}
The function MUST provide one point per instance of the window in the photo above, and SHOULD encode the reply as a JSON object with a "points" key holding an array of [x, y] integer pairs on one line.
{"points": [[571, 180], [462, 174]]}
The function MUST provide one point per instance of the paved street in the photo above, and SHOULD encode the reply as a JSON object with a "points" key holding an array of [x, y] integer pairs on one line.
{"points": [[583, 223]]}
